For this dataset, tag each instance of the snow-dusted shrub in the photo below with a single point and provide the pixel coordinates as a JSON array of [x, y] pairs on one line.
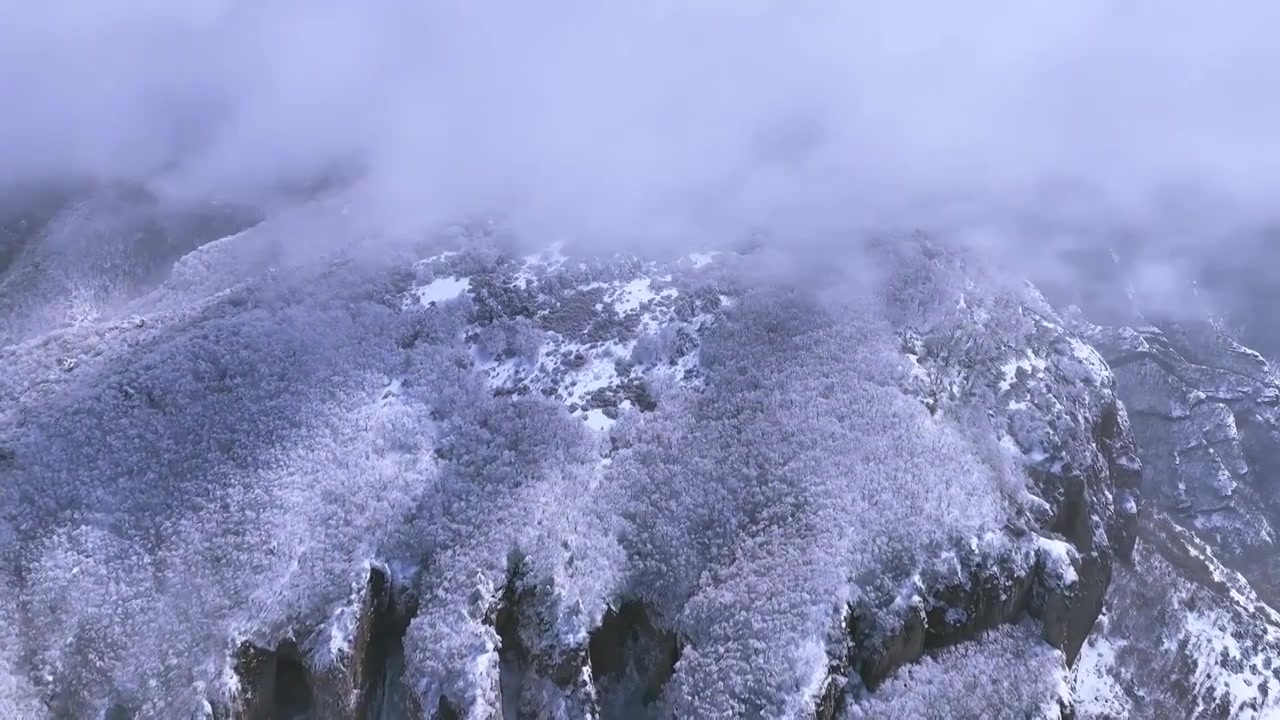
[[1010, 672]]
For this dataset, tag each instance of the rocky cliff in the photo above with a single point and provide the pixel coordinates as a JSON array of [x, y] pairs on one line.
[[1191, 630]]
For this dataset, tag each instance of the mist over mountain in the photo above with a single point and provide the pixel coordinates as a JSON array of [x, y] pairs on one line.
[[654, 118], [437, 359]]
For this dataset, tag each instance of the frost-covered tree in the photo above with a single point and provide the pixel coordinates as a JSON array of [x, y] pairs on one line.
[[800, 467], [218, 458]]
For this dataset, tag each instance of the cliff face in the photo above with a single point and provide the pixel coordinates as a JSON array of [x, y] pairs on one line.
[[1191, 628], [461, 479]]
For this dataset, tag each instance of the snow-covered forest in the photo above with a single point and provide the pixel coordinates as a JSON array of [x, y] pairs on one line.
[[430, 359]]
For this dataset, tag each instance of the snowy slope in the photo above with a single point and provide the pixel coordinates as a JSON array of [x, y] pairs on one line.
[[466, 475], [1184, 637], [470, 476]]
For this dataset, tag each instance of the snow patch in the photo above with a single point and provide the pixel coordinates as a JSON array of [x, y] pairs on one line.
[[1059, 560], [597, 420], [1028, 362], [632, 295], [1097, 693], [442, 289]]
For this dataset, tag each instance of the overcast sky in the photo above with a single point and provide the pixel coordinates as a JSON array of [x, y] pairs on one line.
[[661, 113]]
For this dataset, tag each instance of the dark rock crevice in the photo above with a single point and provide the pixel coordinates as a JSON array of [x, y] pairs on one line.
[[628, 660], [378, 657], [626, 663], [278, 685], [533, 661], [365, 683], [632, 659]]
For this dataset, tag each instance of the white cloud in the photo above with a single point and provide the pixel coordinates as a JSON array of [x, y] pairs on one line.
[[652, 116]]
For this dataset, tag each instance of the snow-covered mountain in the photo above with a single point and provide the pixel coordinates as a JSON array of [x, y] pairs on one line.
[[268, 465]]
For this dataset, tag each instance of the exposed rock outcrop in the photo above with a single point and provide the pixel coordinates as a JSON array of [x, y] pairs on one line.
[[1205, 412], [1191, 629]]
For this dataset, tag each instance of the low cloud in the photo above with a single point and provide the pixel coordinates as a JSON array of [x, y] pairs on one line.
[[657, 118]]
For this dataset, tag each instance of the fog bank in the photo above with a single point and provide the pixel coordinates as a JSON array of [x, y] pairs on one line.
[[663, 119]]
